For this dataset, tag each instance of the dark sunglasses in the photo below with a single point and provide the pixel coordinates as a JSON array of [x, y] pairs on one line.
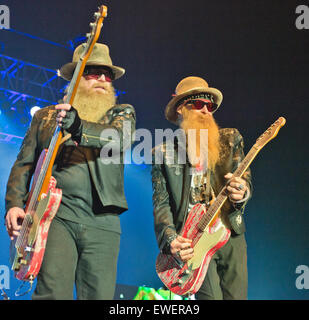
[[96, 73], [199, 105]]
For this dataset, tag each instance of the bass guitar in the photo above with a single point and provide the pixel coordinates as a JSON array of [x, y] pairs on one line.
[[27, 250], [207, 232]]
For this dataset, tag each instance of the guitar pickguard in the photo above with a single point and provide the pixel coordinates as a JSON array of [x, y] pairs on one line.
[[207, 241]]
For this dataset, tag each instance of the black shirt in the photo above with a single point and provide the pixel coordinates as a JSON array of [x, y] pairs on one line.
[[80, 202]]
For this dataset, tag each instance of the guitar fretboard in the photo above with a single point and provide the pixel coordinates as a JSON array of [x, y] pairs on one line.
[[222, 196]]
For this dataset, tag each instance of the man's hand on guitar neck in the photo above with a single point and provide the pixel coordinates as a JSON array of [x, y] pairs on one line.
[[69, 120], [237, 188], [181, 248], [13, 221]]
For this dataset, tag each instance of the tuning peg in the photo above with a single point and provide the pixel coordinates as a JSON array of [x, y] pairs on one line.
[[88, 35], [91, 24], [97, 14]]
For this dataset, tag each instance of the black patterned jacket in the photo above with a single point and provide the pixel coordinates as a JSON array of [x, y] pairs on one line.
[[107, 178], [171, 187]]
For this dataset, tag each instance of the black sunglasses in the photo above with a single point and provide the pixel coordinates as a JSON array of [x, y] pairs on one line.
[[95, 72]]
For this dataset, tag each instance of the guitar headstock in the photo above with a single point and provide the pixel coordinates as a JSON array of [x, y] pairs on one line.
[[270, 133], [95, 29], [92, 36]]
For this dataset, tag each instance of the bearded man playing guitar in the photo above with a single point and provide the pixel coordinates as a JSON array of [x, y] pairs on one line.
[[83, 240], [208, 167]]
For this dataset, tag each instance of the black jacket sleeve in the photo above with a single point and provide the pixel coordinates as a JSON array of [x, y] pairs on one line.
[[163, 218], [118, 128]]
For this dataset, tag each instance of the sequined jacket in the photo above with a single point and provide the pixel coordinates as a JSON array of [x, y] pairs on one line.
[[171, 186], [107, 178]]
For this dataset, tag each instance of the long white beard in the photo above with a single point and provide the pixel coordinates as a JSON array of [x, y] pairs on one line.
[[92, 106]]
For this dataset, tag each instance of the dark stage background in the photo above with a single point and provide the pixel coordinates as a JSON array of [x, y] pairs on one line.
[[251, 51]]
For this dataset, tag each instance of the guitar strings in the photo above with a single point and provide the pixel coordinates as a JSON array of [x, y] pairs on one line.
[[20, 242], [221, 198], [31, 208], [39, 183], [23, 237]]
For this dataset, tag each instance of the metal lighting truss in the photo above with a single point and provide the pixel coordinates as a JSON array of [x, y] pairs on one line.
[[24, 85], [30, 80]]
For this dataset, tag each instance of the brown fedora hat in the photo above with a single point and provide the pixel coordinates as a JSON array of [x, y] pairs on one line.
[[186, 87], [98, 57]]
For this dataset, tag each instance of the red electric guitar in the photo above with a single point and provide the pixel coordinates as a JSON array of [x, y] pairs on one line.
[[207, 232], [27, 250]]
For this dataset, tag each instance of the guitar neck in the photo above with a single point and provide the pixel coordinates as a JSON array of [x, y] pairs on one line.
[[222, 196], [245, 163], [73, 85], [42, 182]]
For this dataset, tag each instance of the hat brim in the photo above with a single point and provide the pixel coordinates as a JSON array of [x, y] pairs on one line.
[[67, 70], [170, 110]]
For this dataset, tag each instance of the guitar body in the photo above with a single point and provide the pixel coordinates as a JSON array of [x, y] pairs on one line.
[[27, 250], [189, 277]]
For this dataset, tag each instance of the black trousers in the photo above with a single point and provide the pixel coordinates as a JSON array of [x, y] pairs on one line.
[[80, 255], [227, 275]]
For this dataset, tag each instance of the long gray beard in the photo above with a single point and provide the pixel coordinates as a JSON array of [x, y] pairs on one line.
[[93, 106]]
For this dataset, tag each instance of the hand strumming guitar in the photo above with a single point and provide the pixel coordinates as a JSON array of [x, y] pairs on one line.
[[181, 248]]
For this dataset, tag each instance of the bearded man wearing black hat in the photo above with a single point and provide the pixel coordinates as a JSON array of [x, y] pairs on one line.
[[180, 182], [83, 240]]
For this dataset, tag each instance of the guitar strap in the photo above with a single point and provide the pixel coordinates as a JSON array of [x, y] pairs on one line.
[[65, 138]]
